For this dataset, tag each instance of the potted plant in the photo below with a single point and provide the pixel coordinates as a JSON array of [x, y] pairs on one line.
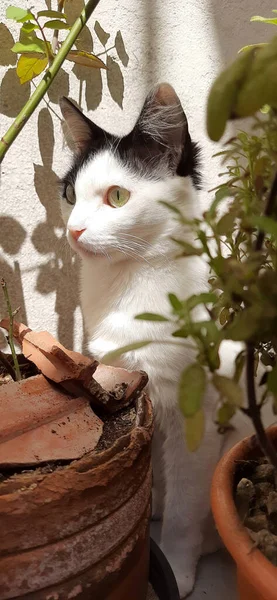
[[238, 239]]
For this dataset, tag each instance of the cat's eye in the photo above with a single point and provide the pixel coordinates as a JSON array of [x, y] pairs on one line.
[[70, 194], [117, 196]]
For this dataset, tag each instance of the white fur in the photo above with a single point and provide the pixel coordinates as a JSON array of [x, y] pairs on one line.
[[129, 267]]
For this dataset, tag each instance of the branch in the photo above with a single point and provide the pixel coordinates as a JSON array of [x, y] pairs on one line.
[[254, 411], [46, 81]]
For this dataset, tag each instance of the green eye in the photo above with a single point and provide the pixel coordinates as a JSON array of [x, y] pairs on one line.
[[117, 196], [70, 194]]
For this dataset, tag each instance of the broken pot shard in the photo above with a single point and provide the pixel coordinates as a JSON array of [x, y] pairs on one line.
[[107, 387], [39, 423]]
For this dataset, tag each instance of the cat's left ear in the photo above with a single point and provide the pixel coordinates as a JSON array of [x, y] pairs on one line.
[[82, 132], [163, 120]]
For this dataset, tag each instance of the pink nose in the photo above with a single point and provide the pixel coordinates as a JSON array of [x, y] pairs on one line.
[[75, 233]]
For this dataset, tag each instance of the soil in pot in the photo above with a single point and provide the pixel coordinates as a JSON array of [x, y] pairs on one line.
[[256, 502], [240, 485]]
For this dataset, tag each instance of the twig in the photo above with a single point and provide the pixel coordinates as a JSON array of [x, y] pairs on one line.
[[46, 81], [55, 40], [48, 51], [10, 337]]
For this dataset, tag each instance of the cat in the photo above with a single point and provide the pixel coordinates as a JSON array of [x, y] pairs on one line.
[[110, 201]]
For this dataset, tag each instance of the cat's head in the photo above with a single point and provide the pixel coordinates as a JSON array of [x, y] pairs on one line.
[[111, 195]]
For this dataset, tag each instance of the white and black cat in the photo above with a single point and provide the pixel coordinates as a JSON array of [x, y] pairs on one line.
[[111, 205]]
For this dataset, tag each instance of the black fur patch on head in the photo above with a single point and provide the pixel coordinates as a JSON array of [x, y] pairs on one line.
[[159, 145]]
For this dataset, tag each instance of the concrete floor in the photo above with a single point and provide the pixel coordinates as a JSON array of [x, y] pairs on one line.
[[216, 578], [216, 574]]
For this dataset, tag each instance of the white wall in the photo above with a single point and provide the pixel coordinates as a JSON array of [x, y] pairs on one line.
[[184, 42]]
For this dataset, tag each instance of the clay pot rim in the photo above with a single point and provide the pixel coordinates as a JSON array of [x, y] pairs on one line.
[[127, 447], [254, 566]]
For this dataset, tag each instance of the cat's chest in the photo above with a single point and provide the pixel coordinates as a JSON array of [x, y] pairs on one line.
[[110, 307]]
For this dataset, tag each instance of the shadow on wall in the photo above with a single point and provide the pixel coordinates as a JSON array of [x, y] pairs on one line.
[[233, 27], [57, 274]]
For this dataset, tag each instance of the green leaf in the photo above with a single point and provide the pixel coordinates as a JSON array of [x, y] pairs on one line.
[[221, 194], [265, 109], [191, 389], [114, 354], [52, 14], [224, 316], [28, 26], [28, 67], [188, 249], [175, 303], [19, 48], [15, 13], [194, 430], [244, 48], [266, 224], [86, 59], [225, 413], [264, 20], [29, 42], [229, 389], [56, 24], [150, 317], [204, 298], [224, 93], [225, 224], [239, 365], [242, 328], [183, 332]]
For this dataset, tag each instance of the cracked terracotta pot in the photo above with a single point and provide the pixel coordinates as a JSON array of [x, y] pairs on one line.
[[81, 531], [257, 576]]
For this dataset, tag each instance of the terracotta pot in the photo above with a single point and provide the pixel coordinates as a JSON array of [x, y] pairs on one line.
[[81, 531], [257, 577]]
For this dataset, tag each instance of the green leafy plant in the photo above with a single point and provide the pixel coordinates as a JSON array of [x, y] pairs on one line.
[[35, 51], [238, 239]]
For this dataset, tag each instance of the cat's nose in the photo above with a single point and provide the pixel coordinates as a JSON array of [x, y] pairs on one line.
[[75, 233]]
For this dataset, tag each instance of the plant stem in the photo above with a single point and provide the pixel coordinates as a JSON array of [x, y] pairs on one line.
[[268, 211], [50, 56], [10, 337], [46, 81], [254, 410]]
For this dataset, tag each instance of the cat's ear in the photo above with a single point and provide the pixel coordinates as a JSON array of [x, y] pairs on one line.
[[80, 130], [163, 120]]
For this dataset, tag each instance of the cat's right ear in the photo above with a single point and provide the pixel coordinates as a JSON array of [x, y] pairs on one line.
[[79, 129]]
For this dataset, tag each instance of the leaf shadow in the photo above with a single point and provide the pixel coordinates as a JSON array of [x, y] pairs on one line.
[[60, 270], [115, 81], [7, 57], [13, 95], [121, 50]]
